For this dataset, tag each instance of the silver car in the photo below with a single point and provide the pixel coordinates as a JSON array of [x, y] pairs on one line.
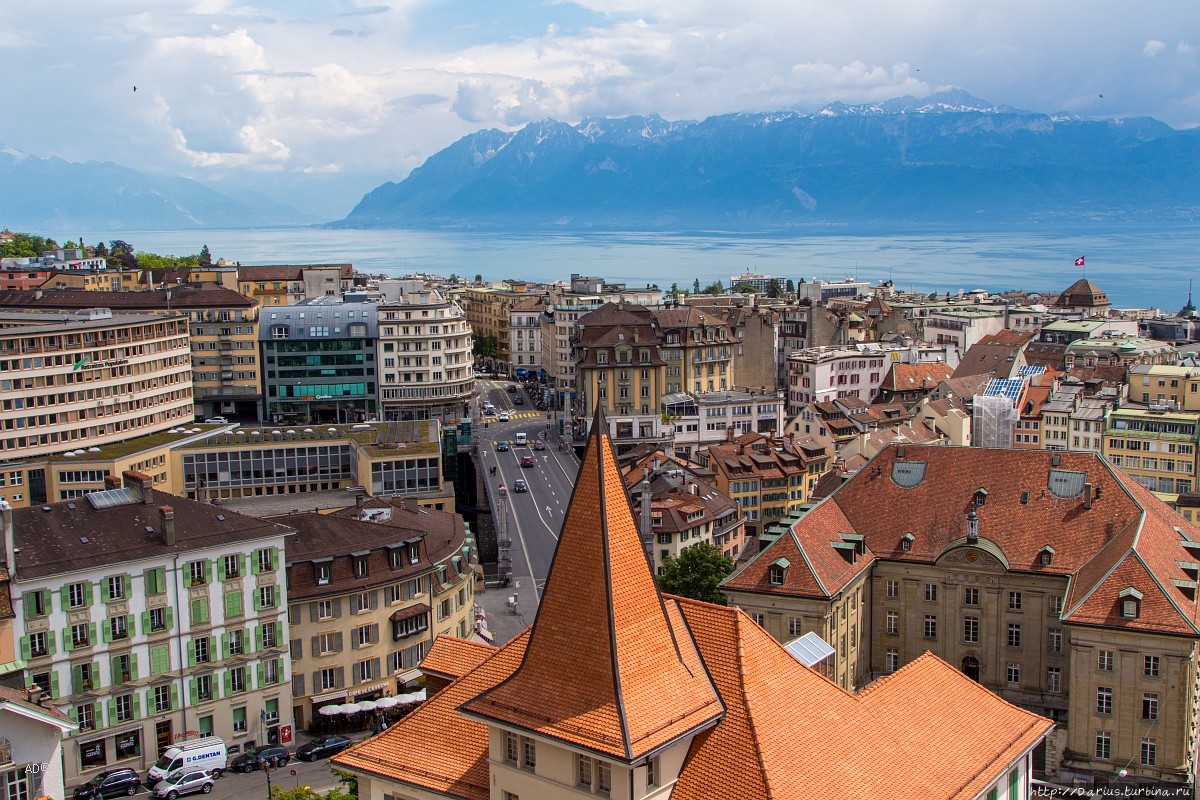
[[182, 781]]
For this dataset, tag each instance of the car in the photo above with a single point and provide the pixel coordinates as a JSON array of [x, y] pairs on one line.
[[322, 747], [191, 781], [110, 783], [519, 485], [489, 410], [217, 420], [251, 760], [518, 400], [504, 416], [511, 388], [538, 444], [502, 446], [528, 461]]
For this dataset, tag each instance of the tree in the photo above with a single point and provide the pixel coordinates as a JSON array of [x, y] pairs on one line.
[[715, 288], [696, 286], [26, 245], [773, 288], [745, 288], [205, 257], [122, 253], [479, 279], [696, 573], [791, 286]]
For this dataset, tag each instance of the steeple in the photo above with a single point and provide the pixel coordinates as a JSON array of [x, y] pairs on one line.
[[608, 667]]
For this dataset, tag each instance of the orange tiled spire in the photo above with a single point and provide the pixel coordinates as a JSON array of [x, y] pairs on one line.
[[606, 669]]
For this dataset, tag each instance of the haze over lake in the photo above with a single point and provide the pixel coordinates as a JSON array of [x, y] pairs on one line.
[[1136, 266]]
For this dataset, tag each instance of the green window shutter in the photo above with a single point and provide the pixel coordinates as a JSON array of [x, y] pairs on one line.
[[133, 669], [54, 695], [257, 606], [207, 571], [261, 675], [145, 623], [258, 637], [87, 593], [220, 566], [136, 703], [193, 693], [233, 604], [228, 683], [91, 633], [169, 617], [51, 644], [224, 645], [28, 599], [74, 713], [112, 710], [278, 633], [241, 562], [274, 558], [191, 654], [127, 583], [104, 596], [76, 676], [106, 630], [67, 643], [174, 696], [26, 650], [65, 594]]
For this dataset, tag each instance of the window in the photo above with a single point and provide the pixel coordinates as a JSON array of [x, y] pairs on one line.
[[362, 636], [324, 609], [327, 643], [271, 674], [266, 560], [266, 597], [651, 772], [85, 715], [893, 588], [162, 698], [80, 635], [1149, 752], [200, 651], [931, 592], [269, 636], [1104, 661], [1150, 707], [329, 678], [930, 626], [1014, 674], [1054, 679], [236, 642], [232, 566], [971, 596], [1014, 634], [77, 595], [124, 707], [324, 575], [197, 573], [116, 587], [38, 644], [528, 753], [237, 680], [1129, 609], [893, 622], [1150, 666], [776, 574], [204, 688], [971, 630], [794, 627], [1014, 601], [1054, 640], [360, 567], [891, 660], [239, 720], [1054, 605], [1104, 745], [1104, 700]]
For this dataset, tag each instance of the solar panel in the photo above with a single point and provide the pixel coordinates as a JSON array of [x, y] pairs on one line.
[[1004, 387], [1030, 371], [110, 498], [810, 649]]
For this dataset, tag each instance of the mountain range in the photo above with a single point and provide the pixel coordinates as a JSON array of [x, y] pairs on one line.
[[946, 159]]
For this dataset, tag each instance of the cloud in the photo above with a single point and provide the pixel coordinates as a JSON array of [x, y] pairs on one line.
[[342, 32], [1153, 48], [474, 101]]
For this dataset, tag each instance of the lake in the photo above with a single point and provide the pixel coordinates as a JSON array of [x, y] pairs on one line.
[[1136, 266]]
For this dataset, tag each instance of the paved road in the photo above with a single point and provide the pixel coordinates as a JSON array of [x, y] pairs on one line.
[[532, 518]]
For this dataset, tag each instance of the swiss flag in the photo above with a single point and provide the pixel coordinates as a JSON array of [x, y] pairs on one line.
[[1079, 261]]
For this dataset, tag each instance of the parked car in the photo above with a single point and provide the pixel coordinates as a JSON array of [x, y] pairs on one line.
[[251, 760], [538, 444], [192, 781], [110, 783], [519, 485], [528, 461], [217, 420], [322, 748], [502, 446]]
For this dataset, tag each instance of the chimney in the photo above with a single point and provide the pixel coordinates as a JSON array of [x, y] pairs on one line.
[[654, 464], [166, 521], [10, 544], [410, 503], [140, 482], [1087, 497], [34, 694], [112, 482], [358, 498], [647, 535]]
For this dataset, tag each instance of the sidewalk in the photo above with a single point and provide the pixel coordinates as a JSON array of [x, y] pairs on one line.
[[503, 624]]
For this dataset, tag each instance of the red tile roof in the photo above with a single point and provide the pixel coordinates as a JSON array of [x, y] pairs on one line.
[[450, 657]]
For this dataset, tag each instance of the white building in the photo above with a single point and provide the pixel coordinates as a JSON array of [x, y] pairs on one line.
[[525, 332], [821, 374], [30, 746], [701, 419], [151, 619]]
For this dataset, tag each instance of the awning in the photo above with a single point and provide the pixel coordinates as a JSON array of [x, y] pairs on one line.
[[123, 731], [410, 612], [408, 675], [376, 688], [321, 698]]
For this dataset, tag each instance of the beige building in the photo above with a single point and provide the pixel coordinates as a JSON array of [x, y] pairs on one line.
[[1157, 448], [424, 349], [371, 586], [1051, 578], [85, 379], [150, 619], [288, 284]]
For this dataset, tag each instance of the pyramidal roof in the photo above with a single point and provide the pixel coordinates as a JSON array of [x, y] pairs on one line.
[[608, 668]]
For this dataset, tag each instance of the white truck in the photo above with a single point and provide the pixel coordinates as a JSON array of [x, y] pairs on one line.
[[205, 753]]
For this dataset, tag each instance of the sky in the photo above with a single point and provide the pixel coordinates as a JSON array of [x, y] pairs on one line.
[[278, 90]]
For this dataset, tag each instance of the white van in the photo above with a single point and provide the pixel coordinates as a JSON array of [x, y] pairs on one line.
[[522, 440], [207, 753]]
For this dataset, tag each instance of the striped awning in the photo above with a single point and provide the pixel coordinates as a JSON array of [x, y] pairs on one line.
[[321, 698]]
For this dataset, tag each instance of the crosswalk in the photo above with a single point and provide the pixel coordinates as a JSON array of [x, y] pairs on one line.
[[524, 414]]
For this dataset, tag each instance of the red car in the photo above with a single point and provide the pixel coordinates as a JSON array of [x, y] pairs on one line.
[[538, 444], [528, 461]]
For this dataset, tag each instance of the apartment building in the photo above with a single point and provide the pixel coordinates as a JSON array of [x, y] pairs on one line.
[[150, 619], [425, 350], [1053, 579], [289, 284], [525, 332], [319, 362], [371, 587], [89, 378], [488, 310], [1156, 448], [700, 419], [698, 346], [821, 374]]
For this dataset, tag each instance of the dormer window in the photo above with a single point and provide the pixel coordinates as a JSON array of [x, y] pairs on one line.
[[360, 566], [777, 571], [980, 496], [1131, 603], [1046, 556], [324, 574], [906, 542], [414, 552]]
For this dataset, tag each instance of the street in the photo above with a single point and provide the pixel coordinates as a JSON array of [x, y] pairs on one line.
[[531, 519]]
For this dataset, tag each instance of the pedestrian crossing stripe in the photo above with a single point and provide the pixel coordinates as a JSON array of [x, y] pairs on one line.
[[524, 414]]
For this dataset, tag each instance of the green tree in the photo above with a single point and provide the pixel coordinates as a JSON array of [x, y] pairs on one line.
[[122, 255], [744, 288], [485, 346], [205, 258], [715, 288], [26, 245], [696, 573], [773, 288], [479, 279], [791, 286], [696, 286], [348, 780]]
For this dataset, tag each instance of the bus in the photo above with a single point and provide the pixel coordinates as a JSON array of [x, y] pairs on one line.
[[522, 440]]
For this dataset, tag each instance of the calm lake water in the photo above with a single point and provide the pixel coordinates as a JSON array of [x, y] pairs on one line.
[[1137, 267]]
